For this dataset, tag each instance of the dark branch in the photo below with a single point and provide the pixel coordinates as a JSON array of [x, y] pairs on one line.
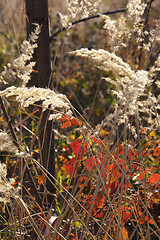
[[86, 19], [145, 26]]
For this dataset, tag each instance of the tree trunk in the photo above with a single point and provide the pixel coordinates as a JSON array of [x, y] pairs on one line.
[[37, 12]]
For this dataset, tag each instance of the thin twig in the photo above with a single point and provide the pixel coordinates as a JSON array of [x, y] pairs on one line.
[[86, 19]]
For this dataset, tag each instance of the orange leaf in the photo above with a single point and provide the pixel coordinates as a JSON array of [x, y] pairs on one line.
[[15, 184], [125, 234], [144, 130], [151, 221], [66, 125], [154, 178], [40, 179], [103, 132]]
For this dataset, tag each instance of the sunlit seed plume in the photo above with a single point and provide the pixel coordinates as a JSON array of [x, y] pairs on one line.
[[22, 67], [135, 9], [116, 31], [50, 99], [78, 9], [129, 87]]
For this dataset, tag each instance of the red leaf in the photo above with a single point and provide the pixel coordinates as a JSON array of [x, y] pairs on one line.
[[66, 120], [145, 154], [132, 153], [140, 177], [72, 166], [156, 151], [116, 171], [89, 162], [99, 215], [75, 145], [96, 160], [82, 180], [79, 148], [76, 122], [120, 149], [127, 215], [154, 178]]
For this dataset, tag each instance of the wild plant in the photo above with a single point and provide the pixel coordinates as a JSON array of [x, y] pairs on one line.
[[107, 182]]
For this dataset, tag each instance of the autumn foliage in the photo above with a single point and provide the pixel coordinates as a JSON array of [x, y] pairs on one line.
[[113, 182]]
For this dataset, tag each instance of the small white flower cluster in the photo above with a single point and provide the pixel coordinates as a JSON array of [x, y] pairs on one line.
[[50, 99], [22, 67], [6, 143], [130, 88], [76, 8], [116, 30], [135, 9], [6, 189]]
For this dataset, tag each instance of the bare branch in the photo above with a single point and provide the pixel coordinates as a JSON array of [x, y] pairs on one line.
[[86, 19]]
